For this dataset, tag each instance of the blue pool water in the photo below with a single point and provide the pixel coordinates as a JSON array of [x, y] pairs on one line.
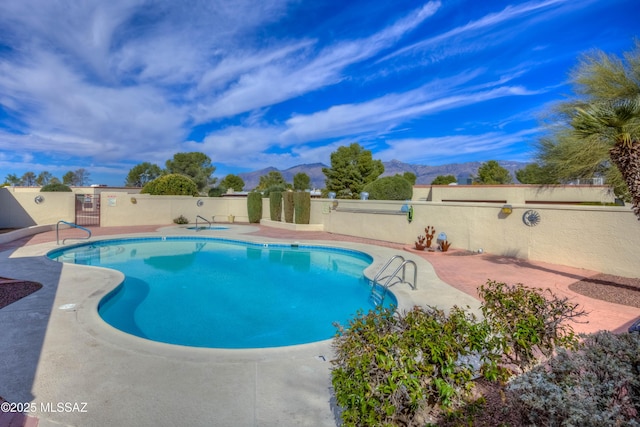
[[219, 293]]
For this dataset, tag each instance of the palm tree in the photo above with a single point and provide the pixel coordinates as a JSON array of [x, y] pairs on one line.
[[616, 123]]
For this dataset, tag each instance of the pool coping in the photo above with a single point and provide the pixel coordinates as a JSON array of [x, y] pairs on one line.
[[256, 386]]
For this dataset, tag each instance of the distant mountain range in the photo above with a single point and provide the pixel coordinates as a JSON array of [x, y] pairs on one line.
[[425, 174]]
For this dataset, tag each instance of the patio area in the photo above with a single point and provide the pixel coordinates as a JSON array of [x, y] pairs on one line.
[[57, 349]]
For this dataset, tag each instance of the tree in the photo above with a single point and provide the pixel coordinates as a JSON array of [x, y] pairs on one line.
[[390, 188], [195, 165], [13, 179], [273, 181], [492, 173], [533, 173], [82, 176], [444, 180], [351, 169], [596, 131], [301, 181], [55, 186], [28, 179], [171, 185], [142, 173], [69, 178], [411, 177], [232, 181], [44, 178]]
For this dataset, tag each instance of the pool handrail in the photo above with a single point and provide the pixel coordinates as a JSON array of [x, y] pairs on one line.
[[70, 224], [204, 219]]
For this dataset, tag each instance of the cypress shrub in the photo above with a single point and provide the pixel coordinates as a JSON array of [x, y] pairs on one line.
[[254, 206], [288, 206], [302, 207], [275, 205]]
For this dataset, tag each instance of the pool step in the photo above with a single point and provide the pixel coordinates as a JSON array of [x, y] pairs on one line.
[[378, 292]]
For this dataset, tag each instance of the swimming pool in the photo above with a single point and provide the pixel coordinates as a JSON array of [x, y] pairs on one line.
[[222, 293]]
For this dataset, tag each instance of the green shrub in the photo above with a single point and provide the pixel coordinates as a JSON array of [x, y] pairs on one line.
[[181, 220], [302, 207], [171, 185], [529, 321], [390, 368], [254, 207], [56, 186], [287, 199], [390, 188], [275, 206], [596, 385]]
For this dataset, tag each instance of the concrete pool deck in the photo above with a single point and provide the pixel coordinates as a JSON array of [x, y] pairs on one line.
[[55, 349]]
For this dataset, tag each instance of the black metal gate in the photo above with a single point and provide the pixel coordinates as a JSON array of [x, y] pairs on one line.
[[88, 209]]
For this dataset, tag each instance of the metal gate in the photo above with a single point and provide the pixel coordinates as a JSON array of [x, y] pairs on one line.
[[88, 209]]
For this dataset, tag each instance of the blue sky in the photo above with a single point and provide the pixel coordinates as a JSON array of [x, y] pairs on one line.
[[105, 85]]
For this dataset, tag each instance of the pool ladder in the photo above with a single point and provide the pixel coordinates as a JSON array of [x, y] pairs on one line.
[[380, 284], [70, 224], [204, 219]]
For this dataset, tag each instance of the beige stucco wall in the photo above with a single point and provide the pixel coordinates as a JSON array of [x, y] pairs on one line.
[[518, 194], [119, 209], [19, 209], [600, 238]]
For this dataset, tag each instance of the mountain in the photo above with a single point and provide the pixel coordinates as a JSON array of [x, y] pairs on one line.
[[425, 174]]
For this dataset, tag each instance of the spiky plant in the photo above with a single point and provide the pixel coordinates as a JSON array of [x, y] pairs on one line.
[[617, 123]]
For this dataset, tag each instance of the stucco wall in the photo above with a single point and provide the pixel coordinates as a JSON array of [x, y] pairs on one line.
[[595, 237], [19, 209], [519, 194]]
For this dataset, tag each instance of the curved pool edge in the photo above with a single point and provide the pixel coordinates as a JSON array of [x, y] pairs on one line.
[[431, 291]]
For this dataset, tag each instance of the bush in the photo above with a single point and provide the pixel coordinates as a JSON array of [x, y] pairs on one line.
[[287, 199], [171, 185], [254, 207], [57, 186], [527, 321], [275, 206], [597, 385], [302, 207], [389, 188], [390, 368], [181, 220]]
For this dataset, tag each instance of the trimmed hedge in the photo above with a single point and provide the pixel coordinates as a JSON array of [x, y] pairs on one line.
[[302, 207], [275, 206], [57, 186], [389, 188], [287, 198], [171, 185], [254, 207]]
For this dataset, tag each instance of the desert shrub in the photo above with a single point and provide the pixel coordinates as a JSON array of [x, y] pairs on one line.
[[181, 220], [596, 385], [389, 188], [302, 207], [254, 206], [287, 199], [275, 205], [389, 367], [529, 321], [56, 186], [171, 185]]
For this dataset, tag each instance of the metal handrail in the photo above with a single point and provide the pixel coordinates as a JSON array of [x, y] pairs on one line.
[[402, 266], [70, 224], [204, 219]]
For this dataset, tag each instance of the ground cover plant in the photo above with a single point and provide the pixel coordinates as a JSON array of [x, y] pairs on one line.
[[422, 367]]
